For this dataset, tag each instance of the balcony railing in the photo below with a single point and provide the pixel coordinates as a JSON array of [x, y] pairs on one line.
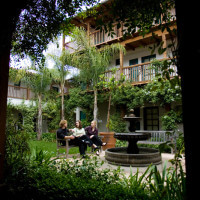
[[18, 92], [101, 37], [140, 73]]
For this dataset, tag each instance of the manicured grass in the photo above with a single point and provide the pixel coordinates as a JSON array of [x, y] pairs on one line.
[[49, 147]]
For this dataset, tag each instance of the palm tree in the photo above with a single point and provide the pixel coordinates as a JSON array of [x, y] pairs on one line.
[[60, 71], [38, 80], [91, 61]]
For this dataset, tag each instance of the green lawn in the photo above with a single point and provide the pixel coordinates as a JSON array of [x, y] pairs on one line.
[[49, 147]]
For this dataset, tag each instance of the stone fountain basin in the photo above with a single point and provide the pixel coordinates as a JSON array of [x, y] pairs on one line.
[[132, 136], [146, 156]]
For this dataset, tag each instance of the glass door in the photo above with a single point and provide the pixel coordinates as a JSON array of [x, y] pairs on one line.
[[151, 118], [133, 71]]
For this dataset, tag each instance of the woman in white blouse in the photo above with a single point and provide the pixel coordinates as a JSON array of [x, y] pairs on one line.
[[79, 133]]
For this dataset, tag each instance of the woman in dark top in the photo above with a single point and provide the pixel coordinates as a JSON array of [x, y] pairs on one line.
[[92, 133], [63, 133]]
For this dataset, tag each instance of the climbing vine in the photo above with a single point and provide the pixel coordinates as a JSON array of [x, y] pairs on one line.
[[28, 113]]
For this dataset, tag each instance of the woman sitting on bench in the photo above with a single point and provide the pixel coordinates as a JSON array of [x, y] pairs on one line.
[[92, 134]]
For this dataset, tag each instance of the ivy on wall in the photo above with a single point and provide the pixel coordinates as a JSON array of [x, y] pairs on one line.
[[28, 113]]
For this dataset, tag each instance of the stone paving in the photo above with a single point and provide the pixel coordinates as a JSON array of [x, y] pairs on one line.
[[165, 158]]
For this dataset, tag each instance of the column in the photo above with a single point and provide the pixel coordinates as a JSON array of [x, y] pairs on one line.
[[164, 45], [121, 57], [63, 41]]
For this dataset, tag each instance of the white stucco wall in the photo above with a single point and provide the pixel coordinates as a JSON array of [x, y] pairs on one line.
[[137, 53]]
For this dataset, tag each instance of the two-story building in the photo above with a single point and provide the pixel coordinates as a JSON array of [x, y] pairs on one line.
[[135, 64]]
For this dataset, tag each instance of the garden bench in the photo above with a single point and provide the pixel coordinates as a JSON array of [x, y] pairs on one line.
[[60, 145], [157, 137]]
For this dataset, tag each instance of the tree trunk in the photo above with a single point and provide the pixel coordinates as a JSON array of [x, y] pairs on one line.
[[108, 115], [95, 106], [39, 134], [188, 64], [4, 71], [8, 18], [62, 103]]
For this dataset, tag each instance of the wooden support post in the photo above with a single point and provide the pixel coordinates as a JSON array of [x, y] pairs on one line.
[[88, 29], [63, 41], [121, 57], [164, 45], [28, 94]]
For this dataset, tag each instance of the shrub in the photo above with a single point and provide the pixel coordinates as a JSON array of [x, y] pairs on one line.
[[47, 179], [49, 137], [117, 124], [17, 148]]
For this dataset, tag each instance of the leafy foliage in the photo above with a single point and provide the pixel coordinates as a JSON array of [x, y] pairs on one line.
[[28, 114], [17, 149], [41, 21], [117, 124], [171, 119], [110, 85]]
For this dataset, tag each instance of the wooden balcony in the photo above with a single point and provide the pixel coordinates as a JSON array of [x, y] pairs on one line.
[[101, 37], [25, 93], [18, 92], [139, 74]]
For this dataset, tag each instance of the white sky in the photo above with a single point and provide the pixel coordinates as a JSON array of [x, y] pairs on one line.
[[54, 47]]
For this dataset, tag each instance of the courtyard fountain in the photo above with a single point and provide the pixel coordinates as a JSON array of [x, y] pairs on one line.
[[132, 155]]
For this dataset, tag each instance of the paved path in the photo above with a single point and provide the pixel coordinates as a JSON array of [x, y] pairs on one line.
[[165, 157]]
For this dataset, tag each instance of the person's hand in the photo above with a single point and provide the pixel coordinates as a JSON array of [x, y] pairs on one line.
[[79, 135], [71, 130], [91, 136], [71, 137]]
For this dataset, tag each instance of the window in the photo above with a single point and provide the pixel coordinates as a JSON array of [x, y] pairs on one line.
[[82, 115], [133, 62], [55, 88], [117, 62], [17, 85], [148, 58], [151, 118]]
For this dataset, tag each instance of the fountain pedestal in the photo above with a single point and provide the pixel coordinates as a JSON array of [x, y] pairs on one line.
[[132, 139], [132, 147]]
